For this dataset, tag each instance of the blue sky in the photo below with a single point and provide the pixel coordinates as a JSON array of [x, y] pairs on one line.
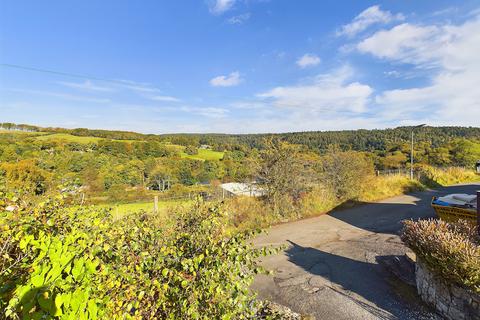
[[239, 66]]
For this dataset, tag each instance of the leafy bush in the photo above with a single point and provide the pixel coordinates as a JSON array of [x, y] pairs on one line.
[[79, 263], [450, 250]]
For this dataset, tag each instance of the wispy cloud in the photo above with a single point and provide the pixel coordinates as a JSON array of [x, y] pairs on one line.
[[209, 112], [370, 16], [164, 98], [138, 86], [233, 79], [86, 85], [308, 60], [239, 19], [219, 7]]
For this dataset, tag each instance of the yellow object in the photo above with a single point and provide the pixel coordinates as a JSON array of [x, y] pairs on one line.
[[453, 214]]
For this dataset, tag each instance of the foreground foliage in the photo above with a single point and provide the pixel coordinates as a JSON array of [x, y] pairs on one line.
[[450, 250], [59, 262]]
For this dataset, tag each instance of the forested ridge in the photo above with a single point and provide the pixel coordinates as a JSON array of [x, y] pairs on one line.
[[359, 140]]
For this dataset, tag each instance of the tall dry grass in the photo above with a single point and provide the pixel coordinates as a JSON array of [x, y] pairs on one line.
[[249, 212], [435, 177], [388, 186]]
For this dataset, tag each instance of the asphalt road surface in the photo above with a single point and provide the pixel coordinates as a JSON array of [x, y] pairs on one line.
[[331, 268]]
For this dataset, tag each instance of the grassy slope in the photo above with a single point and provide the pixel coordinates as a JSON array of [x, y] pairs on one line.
[[25, 133], [71, 138], [204, 154], [68, 137]]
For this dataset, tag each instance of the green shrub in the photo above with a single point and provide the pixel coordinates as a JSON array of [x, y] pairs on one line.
[[450, 250], [80, 263]]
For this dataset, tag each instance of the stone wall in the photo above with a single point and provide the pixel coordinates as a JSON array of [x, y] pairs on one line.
[[450, 300]]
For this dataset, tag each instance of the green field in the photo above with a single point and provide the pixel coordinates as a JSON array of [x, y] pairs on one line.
[[68, 137], [19, 132], [204, 154], [71, 138], [120, 209]]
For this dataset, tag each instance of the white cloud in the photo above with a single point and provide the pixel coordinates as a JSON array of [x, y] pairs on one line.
[[233, 79], [452, 96], [240, 19], [86, 85], [332, 92], [406, 43], [165, 98], [219, 7], [308, 60], [209, 112], [368, 17]]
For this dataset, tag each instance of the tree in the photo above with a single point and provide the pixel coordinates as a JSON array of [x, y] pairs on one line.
[[161, 177], [191, 150], [284, 174], [346, 173], [25, 175], [440, 156], [465, 152], [396, 159]]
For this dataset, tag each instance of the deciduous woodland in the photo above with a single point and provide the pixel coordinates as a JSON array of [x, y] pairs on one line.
[[80, 238]]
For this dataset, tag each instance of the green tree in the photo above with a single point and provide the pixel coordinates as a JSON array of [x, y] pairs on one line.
[[191, 150], [25, 175], [346, 173], [284, 173], [395, 160], [465, 153]]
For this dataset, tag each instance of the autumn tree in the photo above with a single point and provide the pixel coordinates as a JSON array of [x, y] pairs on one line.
[[284, 173], [346, 173], [25, 175]]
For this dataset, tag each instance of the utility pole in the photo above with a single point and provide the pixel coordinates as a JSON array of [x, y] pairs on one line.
[[411, 151]]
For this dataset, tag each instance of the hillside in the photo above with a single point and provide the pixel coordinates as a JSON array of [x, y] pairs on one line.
[[359, 140]]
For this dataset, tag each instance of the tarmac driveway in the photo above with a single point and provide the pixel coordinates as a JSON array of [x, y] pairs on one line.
[[331, 268]]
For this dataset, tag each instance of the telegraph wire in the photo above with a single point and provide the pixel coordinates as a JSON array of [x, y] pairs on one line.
[[67, 74]]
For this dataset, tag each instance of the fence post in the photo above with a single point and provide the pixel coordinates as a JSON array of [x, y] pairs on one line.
[[155, 204]]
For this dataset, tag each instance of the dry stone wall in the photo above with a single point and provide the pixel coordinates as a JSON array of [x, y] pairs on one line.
[[450, 300]]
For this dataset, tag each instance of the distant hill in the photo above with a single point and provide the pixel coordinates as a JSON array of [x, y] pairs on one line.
[[360, 140]]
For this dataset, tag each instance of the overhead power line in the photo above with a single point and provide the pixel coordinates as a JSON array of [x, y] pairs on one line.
[[66, 74]]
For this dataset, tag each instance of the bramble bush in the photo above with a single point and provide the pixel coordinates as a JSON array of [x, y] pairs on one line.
[[451, 250], [79, 263]]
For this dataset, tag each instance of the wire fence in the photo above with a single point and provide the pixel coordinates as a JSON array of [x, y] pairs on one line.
[[394, 172]]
